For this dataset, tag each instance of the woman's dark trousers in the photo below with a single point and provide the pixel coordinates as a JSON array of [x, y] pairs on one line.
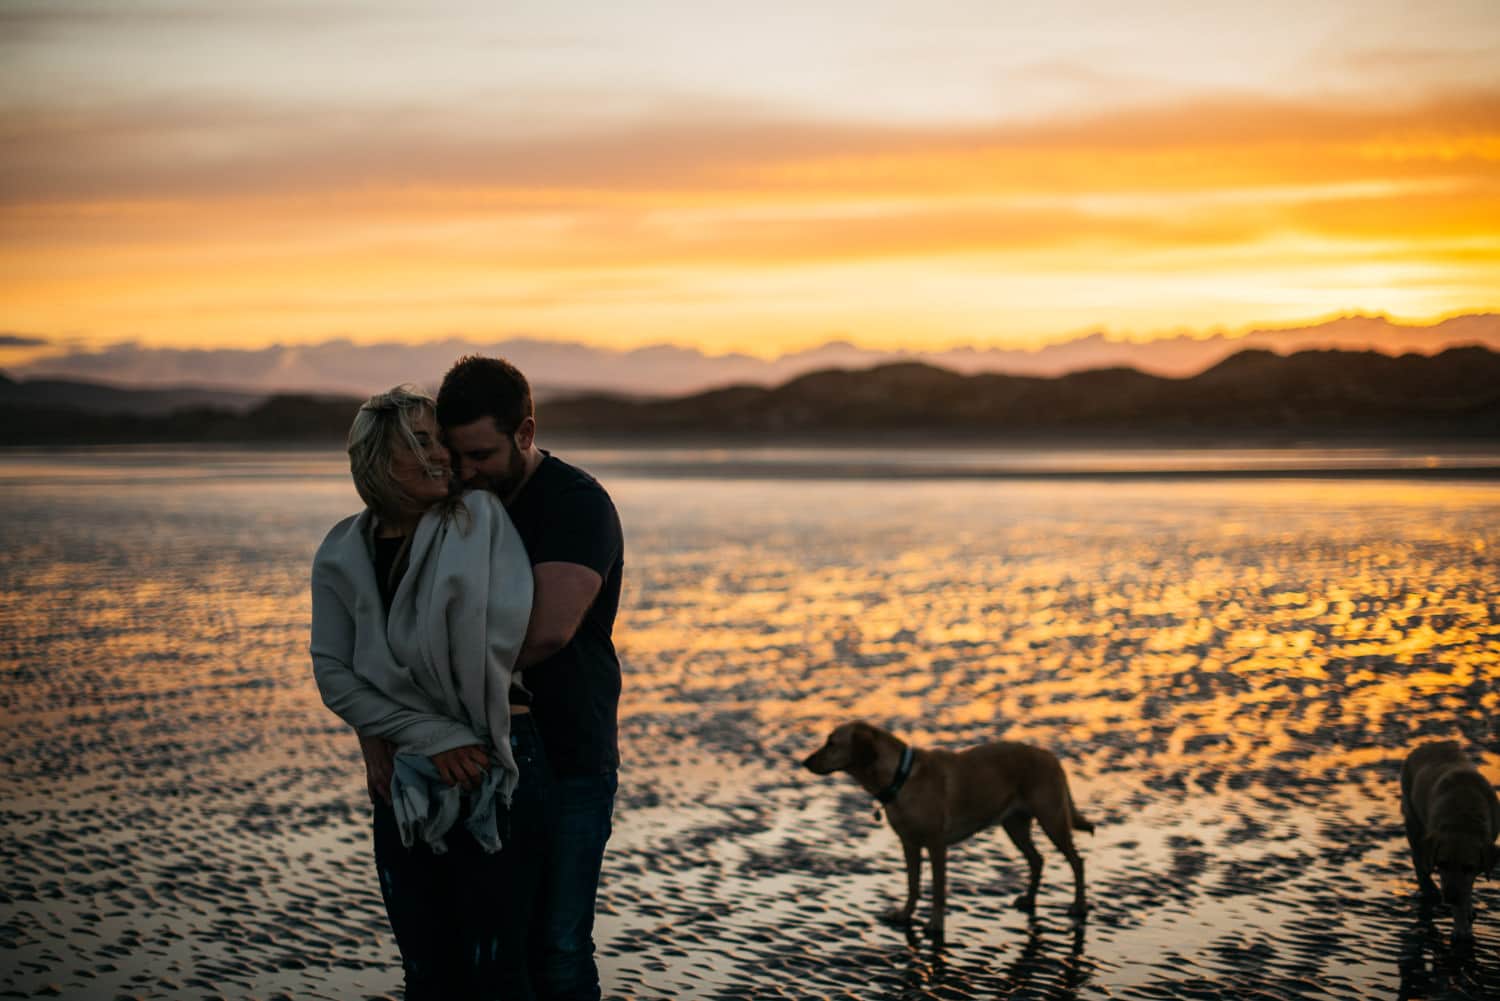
[[461, 918]]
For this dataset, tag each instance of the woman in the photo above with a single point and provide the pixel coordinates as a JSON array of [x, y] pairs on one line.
[[420, 605]]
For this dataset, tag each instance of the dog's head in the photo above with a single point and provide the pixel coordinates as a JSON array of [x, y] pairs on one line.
[[849, 746], [1459, 857]]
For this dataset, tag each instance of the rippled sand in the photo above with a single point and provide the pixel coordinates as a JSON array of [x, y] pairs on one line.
[[1231, 672]]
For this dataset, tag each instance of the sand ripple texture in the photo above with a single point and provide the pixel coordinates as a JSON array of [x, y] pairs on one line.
[[1231, 672]]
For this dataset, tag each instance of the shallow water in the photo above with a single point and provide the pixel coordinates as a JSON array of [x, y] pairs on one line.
[[1231, 672]]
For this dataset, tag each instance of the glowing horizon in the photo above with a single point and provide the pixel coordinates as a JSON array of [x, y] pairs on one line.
[[599, 185]]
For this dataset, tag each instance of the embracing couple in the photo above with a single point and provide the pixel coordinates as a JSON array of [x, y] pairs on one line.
[[461, 624]]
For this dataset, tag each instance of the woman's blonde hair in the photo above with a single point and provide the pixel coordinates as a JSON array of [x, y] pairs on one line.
[[382, 421]]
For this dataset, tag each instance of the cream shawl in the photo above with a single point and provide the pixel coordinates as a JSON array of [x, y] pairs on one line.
[[436, 673]]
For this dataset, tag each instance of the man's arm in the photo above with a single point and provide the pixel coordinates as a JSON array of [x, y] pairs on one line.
[[562, 596]]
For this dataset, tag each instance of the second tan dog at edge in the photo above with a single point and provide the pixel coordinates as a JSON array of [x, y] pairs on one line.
[[952, 795]]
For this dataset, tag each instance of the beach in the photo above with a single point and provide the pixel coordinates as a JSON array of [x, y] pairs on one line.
[[1230, 669]]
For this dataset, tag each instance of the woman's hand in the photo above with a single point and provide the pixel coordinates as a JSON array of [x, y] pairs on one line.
[[462, 766], [380, 765]]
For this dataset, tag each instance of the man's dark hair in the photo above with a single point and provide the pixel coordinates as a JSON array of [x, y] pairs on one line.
[[478, 387]]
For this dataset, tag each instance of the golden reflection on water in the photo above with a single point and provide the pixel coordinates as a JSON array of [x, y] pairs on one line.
[[1211, 626], [1232, 672]]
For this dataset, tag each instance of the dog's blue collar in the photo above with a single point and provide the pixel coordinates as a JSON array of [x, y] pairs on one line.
[[903, 772]]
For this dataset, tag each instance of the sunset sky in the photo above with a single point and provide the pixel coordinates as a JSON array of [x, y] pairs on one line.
[[738, 177]]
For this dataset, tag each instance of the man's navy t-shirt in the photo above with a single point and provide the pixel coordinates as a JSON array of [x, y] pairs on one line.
[[563, 515]]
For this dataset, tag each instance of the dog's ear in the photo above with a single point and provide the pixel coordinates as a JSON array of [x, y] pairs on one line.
[[1490, 858], [861, 746], [1429, 852]]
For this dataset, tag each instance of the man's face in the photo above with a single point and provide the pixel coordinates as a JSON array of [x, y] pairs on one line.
[[483, 456]]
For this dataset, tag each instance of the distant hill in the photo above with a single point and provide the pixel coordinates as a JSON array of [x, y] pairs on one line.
[[560, 368], [1310, 393], [106, 398], [280, 419]]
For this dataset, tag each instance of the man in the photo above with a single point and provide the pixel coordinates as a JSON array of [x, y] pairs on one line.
[[567, 661]]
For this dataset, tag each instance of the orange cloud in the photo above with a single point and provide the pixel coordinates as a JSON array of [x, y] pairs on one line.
[[205, 151], [251, 223]]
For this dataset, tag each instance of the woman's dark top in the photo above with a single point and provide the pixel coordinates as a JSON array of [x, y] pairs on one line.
[[386, 551]]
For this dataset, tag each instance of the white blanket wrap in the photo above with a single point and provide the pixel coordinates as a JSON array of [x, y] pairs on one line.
[[436, 673]]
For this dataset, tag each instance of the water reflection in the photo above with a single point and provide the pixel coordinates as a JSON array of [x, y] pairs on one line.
[[924, 460], [1038, 970], [1232, 672], [1247, 652], [1433, 964]]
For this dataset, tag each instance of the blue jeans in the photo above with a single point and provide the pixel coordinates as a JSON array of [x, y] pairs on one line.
[[562, 940], [456, 945]]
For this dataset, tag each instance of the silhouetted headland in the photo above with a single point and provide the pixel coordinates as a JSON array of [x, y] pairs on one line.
[[1310, 394]]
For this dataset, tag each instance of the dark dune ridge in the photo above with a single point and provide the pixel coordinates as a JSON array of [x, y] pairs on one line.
[[1231, 671], [1318, 393]]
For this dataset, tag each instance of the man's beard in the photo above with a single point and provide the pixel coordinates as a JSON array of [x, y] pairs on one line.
[[506, 483]]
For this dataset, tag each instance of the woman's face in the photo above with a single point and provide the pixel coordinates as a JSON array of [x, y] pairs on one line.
[[407, 469]]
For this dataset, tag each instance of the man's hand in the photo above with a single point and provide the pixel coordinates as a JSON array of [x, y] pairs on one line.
[[380, 765], [462, 766]]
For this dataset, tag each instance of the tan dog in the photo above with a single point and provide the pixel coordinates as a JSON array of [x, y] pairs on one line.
[[1452, 818], [941, 797]]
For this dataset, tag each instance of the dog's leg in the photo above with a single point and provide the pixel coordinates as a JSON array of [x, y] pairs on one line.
[[902, 915], [938, 853], [1062, 836], [1463, 916], [1018, 826], [1080, 906], [1417, 838]]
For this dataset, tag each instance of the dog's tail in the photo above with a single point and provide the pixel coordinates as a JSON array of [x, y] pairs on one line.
[[1079, 824]]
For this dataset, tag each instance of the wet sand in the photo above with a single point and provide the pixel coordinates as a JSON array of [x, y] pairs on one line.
[[1231, 673]]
